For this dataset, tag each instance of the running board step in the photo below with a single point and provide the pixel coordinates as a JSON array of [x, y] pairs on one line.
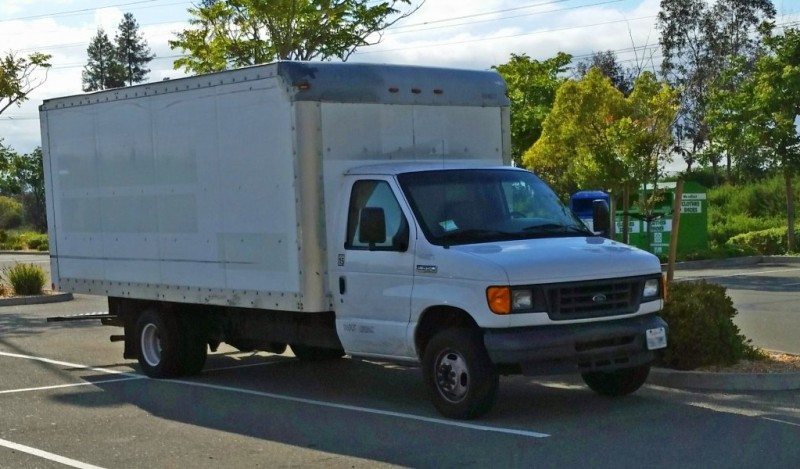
[[82, 317]]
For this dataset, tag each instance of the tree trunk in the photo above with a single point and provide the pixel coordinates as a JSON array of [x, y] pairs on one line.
[[790, 241], [626, 217]]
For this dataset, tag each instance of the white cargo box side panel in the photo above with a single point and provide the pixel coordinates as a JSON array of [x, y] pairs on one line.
[[186, 196]]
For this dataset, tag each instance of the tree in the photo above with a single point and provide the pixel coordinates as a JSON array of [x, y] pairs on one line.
[[532, 86], [237, 33], [103, 69], [595, 137], [133, 54], [18, 77], [697, 41], [606, 62], [757, 111], [22, 176]]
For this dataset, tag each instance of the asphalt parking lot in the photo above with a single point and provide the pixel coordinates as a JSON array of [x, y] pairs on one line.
[[67, 398]]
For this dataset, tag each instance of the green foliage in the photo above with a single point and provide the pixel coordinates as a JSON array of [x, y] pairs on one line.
[[103, 69], [26, 279], [701, 329], [237, 33], [13, 240], [595, 137], [532, 86], [10, 213], [22, 176], [133, 55], [746, 207], [111, 65], [18, 77], [767, 242], [607, 63], [697, 39], [753, 112]]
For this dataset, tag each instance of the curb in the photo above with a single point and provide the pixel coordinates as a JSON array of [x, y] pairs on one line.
[[36, 299], [733, 262], [711, 381], [26, 253]]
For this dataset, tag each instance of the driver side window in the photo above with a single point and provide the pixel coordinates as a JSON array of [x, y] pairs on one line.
[[376, 195]]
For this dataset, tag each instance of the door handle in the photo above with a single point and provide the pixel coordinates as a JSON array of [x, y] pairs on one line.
[[342, 285]]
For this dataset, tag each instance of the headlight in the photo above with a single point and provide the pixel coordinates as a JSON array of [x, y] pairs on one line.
[[650, 289], [521, 299]]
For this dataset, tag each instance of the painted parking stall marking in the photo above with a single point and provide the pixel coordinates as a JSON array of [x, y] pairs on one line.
[[47, 455], [301, 400]]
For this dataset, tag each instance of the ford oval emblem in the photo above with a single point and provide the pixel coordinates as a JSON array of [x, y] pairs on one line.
[[599, 298]]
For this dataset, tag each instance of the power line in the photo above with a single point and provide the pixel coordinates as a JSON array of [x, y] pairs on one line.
[[85, 10], [476, 15], [509, 36], [393, 31]]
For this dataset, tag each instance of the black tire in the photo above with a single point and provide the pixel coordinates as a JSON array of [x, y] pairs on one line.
[[157, 337], [617, 383], [461, 378], [169, 345], [310, 353]]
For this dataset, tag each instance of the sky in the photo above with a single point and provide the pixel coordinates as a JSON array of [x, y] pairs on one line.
[[449, 33]]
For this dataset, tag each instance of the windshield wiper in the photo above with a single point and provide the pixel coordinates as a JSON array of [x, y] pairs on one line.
[[550, 228]]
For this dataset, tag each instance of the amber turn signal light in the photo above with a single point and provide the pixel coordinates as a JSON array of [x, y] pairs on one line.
[[499, 299]]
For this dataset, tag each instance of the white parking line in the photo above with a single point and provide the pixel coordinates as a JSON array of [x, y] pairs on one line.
[[782, 421], [71, 385], [366, 410], [71, 365], [47, 455]]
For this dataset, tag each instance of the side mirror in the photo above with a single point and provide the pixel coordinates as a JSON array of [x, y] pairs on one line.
[[601, 217], [372, 226]]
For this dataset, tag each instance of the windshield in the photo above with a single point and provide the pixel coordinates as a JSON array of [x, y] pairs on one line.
[[486, 205]]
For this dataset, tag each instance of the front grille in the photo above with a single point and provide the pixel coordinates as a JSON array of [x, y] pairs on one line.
[[593, 299]]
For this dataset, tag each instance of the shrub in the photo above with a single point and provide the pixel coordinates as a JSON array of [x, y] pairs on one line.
[[35, 241], [26, 279], [701, 329], [10, 213], [765, 242], [723, 228]]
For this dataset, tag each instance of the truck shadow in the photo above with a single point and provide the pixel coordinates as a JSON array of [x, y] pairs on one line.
[[326, 407]]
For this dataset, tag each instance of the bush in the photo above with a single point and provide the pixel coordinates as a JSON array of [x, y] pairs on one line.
[[723, 228], [26, 279], [701, 329], [765, 242], [35, 241], [10, 213]]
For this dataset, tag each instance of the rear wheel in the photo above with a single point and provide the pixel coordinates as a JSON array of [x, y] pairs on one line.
[[311, 353], [461, 379], [617, 383], [169, 346]]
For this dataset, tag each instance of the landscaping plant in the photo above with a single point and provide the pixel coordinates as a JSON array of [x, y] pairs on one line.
[[701, 329], [26, 279]]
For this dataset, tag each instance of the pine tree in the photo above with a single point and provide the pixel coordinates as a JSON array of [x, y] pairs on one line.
[[132, 51], [102, 70]]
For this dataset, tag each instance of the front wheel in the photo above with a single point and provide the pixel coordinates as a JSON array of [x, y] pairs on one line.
[[461, 379], [617, 383]]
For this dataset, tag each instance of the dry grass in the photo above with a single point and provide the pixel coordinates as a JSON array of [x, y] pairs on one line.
[[775, 362]]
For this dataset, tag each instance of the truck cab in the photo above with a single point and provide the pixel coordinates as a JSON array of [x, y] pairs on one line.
[[476, 270]]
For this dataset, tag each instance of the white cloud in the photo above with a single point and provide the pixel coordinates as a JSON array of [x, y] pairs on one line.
[[475, 43]]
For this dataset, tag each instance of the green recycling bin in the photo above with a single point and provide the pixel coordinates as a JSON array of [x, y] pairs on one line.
[[652, 231]]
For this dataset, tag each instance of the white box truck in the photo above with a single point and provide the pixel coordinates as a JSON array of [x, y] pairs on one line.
[[356, 209]]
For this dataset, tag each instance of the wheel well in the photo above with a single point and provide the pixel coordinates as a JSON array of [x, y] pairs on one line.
[[438, 318]]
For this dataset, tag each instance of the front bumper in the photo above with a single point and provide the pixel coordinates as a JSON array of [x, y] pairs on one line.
[[593, 346]]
